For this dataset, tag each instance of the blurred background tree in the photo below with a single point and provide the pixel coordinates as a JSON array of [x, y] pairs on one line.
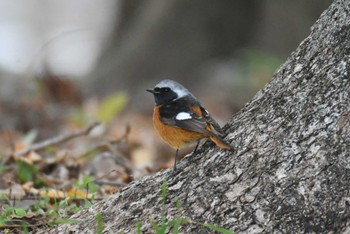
[[224, 49]]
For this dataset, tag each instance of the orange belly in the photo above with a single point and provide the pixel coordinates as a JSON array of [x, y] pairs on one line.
[[175, 137]]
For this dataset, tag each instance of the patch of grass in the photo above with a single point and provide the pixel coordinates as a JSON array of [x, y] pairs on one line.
[[26, 172], [99, 221], [56, 211], [173, 226], [45, 211], [218, 229]]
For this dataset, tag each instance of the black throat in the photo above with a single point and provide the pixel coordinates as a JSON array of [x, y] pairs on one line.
[[164, 97]]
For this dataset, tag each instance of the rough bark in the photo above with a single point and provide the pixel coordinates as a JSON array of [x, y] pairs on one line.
[[291, 170]]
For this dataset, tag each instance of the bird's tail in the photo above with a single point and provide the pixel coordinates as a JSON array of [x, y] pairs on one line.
[[220, 142]]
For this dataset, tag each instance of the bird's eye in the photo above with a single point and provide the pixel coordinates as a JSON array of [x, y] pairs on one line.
[[166, 89]]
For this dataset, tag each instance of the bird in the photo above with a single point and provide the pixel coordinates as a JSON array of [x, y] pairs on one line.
[[180, 119]]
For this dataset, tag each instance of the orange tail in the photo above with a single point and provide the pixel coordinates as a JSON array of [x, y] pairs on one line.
[[220, 142]]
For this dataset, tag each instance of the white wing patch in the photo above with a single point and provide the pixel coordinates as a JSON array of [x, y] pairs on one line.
[[183, 116]]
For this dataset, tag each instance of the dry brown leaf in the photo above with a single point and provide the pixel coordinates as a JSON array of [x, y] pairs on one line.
[[108, 190], [53, 193], [78, 193], [51, 182], [32, 157], [27, 186]]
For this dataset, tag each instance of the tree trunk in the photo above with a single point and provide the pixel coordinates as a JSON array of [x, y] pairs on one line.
[[290, 172]]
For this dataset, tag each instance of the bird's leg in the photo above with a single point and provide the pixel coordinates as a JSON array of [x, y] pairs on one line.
[[176, 158], [195, 148]]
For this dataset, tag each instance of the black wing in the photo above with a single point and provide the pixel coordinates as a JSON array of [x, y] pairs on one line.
[[196, 123], [211, 121]]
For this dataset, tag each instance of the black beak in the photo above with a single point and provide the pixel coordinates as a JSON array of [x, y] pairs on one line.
[[151, 91]]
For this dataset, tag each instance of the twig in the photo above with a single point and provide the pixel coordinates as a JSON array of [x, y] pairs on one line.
[[108, 144], [124, 137], [110, 182], [57, 140], [101, 181]]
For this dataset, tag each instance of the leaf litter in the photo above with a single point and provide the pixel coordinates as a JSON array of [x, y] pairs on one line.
[[55, 159]]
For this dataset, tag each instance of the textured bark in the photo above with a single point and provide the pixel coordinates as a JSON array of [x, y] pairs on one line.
[[291, 170]]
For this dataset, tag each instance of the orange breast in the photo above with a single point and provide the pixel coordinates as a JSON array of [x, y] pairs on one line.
[[175, 137]]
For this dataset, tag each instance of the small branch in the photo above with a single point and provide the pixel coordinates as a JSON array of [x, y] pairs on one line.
[[102, 181], [124, 137], [109, 182], [57, 140]]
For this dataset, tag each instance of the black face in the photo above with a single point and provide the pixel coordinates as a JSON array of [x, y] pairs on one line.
[[163, 95]]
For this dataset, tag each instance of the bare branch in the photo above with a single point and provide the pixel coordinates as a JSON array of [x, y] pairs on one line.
[[57, 140]]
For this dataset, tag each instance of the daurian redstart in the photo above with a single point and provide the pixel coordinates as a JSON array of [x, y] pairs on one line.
[[180, 119]]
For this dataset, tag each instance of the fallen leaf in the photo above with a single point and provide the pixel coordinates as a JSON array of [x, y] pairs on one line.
[[78, 193], [27, 186], [32, 157], [52, 193]]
